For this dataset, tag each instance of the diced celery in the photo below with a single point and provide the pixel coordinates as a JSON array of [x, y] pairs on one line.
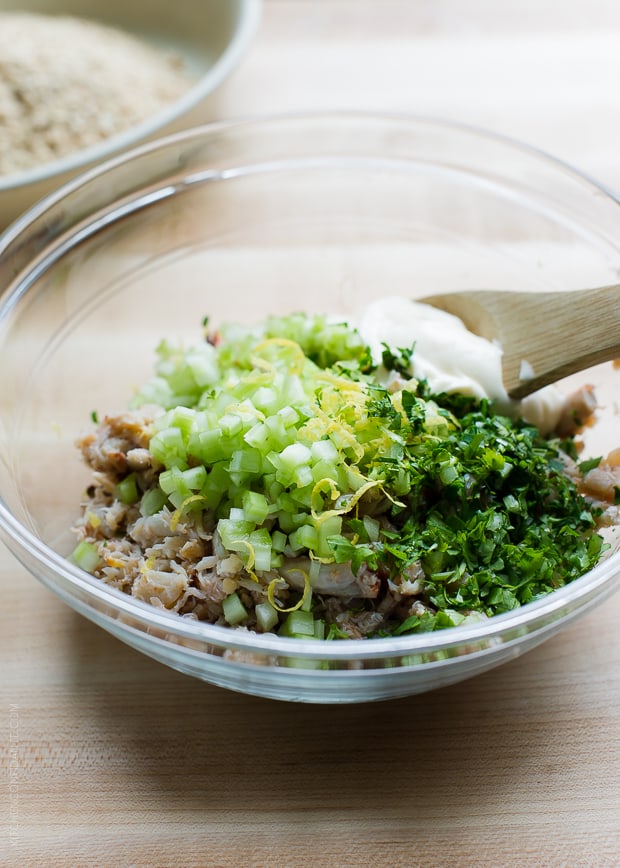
[[234, 532], [195, 477], [246, 410], [279, 436], [305, 537], [127, 491], [319, 629], [152, 501], [86, 556], [286, 503], [295, 455], [293, 392], [273, 458], [182, 418], [209, 446], [324, 450], [168, 447], [180, 376], [313, 574], [258, 436], [278, 541], [172, 483], [331, 526], [230, 424], [400, 483], [288, 415], [306, 603], [245, 461], [354, 478], [265, 399], [324, 470], [216, 485], [290, 521], [169, 480], [260, 541], [302, 476], [287, 463], [274, 489], [340, 437], [302, 497], [157, 391], [255, 507], [234, 610], [266, 616], [202, 362], [298, 624]]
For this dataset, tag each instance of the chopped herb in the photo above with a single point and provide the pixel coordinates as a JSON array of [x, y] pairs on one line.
[[590, 464], [398, 360]]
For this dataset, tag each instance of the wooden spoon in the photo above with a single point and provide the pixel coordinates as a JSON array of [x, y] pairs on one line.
[[544, 335]]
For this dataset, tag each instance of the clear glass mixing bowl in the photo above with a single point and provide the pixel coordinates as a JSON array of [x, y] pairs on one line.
[[235, 221]]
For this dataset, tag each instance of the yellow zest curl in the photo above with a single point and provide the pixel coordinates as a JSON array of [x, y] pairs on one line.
[[93, 519], [271, 590], [315, 501], [249, 567], [177, 515], [320, 560], [147, 565], [298, 356]]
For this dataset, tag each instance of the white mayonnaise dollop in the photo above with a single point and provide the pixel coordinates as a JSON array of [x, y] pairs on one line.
[[450, 357]]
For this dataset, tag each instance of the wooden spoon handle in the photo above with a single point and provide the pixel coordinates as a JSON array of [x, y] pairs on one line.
[[553, 334], [544, 336]]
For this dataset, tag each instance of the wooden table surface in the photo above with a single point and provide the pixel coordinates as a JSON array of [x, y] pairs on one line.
[[111, 759]]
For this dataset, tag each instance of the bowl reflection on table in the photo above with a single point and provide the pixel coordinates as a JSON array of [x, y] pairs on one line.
[[236, 221]]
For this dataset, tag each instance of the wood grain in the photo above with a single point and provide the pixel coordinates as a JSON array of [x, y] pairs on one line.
[[112, 760]]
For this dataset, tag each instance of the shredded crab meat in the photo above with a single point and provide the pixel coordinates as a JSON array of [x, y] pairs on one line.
[[335, 579], [577, 412], [121, 442], [603, 482]]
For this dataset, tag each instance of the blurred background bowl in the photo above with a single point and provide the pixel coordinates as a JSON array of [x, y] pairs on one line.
[[211, 36], [237, 221]]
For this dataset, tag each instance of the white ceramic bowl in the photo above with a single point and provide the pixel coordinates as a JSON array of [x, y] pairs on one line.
[[210, 35], [237, 221]]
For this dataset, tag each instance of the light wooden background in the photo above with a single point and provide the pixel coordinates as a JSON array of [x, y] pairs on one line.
[[123, 762]]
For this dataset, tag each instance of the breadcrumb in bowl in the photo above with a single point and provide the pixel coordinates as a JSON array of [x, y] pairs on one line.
[[233, 222], [55, 101], [133, 71]]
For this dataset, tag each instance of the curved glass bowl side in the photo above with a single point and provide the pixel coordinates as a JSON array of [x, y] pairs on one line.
[[333, 207], [307, 671]]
